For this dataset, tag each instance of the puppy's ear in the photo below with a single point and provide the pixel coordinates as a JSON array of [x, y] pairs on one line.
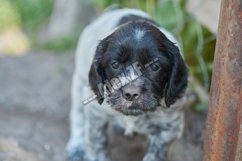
[[177, 81], [97, 74]]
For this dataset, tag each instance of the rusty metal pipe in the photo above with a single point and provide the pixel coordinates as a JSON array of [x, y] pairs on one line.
[[223, 138]]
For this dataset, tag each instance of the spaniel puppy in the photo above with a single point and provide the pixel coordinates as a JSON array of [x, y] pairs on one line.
[[130, 72]]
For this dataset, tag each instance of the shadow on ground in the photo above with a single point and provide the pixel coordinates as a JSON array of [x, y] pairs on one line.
[[34, 109]]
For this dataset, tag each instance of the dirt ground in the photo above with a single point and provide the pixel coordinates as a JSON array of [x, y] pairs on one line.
[[34, 110]]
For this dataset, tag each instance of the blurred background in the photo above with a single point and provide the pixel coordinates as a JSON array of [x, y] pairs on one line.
[[37, 45]]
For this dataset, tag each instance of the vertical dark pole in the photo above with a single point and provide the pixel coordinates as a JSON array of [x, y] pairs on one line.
[[223, 140]]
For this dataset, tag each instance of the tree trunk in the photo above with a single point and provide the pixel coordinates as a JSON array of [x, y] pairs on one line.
[[67, 16]]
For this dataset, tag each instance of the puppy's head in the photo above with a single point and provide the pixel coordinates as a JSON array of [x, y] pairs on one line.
[[136, 67]]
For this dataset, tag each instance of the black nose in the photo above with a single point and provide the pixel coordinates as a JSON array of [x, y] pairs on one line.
[[131, 94]]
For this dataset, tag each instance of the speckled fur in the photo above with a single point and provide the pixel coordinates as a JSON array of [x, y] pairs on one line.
[[88, 141]]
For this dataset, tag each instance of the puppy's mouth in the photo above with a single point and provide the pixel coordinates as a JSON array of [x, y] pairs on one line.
[[133, 110], [138, 107]]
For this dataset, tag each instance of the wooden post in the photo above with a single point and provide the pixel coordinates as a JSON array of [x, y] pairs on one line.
[[223, 140]]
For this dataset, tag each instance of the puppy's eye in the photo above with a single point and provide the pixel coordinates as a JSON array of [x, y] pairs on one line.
[[115, 65], [154, 67]]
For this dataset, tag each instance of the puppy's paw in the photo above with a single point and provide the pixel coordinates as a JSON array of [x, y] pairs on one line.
[[74, 152], [75, 155], [152, 157], [101, 156]]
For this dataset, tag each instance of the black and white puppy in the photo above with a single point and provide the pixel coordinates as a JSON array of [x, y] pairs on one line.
[[138, 77]]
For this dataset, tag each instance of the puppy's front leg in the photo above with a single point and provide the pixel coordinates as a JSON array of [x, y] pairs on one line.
[[159, 142], [75, 146], [157, 150], [96, 135]]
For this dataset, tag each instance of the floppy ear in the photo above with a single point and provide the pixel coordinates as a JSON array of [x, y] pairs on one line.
[[177, 80], [97, 74]]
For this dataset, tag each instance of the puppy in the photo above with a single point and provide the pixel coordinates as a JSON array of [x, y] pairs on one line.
[[135, 72]]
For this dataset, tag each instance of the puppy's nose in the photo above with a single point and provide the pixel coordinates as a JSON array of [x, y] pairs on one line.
[[131, 94]]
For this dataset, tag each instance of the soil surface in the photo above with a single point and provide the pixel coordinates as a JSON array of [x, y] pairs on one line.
[[34, 114]]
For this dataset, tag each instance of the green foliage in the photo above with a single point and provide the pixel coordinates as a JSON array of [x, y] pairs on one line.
[[199, 46], [61, 45], [29, 15], [168, 15], [201, 106], [102, 3], [33, 12], [9, 17]]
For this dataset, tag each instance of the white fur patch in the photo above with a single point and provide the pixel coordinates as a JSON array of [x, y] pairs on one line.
[[139, 34]]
